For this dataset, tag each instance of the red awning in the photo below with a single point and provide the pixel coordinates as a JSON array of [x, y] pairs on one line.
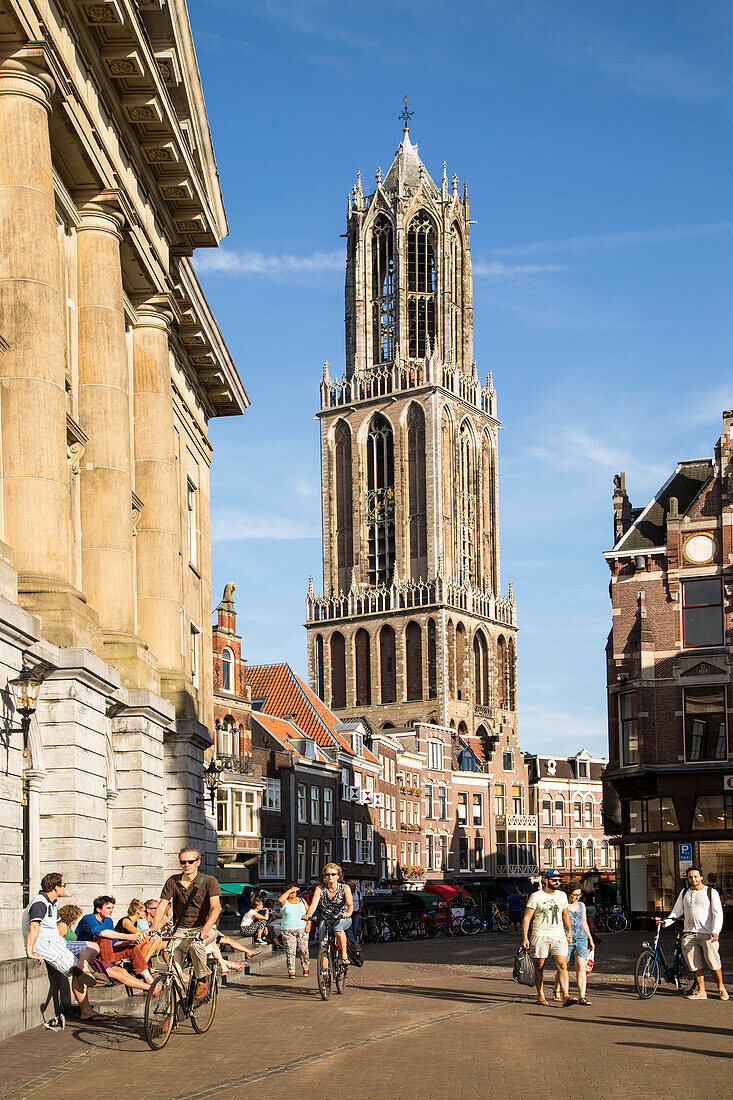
[[446, 893]]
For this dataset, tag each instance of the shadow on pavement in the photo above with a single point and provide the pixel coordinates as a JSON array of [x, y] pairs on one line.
[[667, 1049]]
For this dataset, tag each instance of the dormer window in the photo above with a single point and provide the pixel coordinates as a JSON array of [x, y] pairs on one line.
[[358, 743], [581, 769]]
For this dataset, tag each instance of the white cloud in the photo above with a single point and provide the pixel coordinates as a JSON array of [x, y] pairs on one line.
[[269, 265], [237, 525], [625, 239], [496, 269]]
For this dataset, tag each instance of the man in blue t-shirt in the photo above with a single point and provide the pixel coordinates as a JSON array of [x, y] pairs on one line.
[[114, 947]]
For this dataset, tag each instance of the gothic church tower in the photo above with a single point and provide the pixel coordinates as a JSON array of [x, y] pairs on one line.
[[411, 624]]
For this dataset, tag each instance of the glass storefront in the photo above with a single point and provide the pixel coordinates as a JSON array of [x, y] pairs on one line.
[[651, 876], [715, 857]]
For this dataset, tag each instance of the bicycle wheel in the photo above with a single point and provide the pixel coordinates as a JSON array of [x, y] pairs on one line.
[[160, 1011], [203, 1011], [685, 980], [342, 973], [617, 922], [470, 926], [325, 972], [503, 923], [646, 975]]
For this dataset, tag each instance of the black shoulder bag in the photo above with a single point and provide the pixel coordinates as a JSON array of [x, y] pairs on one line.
[[189, 899]]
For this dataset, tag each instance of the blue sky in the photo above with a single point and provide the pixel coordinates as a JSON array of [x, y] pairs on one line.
[[595, 139]]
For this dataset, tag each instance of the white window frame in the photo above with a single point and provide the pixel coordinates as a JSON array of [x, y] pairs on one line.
[[327, 806], [192, 532], [276, 847], [302, 803], [302, 871], [227, 670], [315, 806], [315, 855], [223, 818], [477, 803], [435, 754], [443, 802], [345, 841], [194, 653], [327, 851], [272, 795]]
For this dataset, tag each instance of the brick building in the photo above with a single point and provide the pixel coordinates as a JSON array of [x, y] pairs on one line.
[[239, 795], [567, 797], [667, 785]]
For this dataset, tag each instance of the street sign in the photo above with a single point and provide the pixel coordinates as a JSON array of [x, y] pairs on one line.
[[728, 782], [684, 852]]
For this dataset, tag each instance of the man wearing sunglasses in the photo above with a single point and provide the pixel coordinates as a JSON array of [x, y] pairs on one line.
[[551, 934], [196, 908]]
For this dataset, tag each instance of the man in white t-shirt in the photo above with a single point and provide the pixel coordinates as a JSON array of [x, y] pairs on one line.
[[356, 895], [551, 933], [702, 909]]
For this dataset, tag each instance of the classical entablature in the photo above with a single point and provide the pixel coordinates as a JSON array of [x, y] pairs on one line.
[[128, 129]]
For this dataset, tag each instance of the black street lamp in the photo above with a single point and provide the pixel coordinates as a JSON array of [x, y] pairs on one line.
[[211, 781], [24, 690]]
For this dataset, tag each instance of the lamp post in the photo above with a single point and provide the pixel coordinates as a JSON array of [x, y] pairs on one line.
[[211, 781], [24, 690]]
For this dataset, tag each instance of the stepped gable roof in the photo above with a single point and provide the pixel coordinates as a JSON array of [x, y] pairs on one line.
[[285, 694], [285, 732], [649, 528], [411, 163]]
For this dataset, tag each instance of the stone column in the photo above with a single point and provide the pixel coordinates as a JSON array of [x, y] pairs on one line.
[[32, 370], [158, 532], [104, 414]]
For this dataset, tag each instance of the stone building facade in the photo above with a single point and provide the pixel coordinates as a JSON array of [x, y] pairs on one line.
[[111, 367], [412, 627], [567, 797], [667, 787]]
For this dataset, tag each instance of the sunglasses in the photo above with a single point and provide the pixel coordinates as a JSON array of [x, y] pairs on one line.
[[182, 861], [331, 874]]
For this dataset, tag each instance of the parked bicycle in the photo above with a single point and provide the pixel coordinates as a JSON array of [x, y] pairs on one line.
[[172, 999], [331, 970], [652, 966], [614, 919], [499, 921]]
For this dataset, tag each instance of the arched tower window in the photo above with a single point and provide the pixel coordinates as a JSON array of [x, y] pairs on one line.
[[451, 637], [383, 311], [320, 674], [501, 672], [363, 659], [467, 504], [432, 661], [481, 670], [380, 500], [227, 670], [455, 294], [413, 657], [338, 671], [488, 511], [344, 509], [461, 661], [511, 675], [387, 665], [416, 496], [447, 482], [420, 285]]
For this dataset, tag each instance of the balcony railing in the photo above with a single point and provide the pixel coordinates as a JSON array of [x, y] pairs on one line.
[[409, 374], [242, 765], [521, 821]]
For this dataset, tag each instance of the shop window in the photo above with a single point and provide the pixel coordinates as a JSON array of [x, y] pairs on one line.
[[635, 820], [705, 723], [713, 811], [651, 878], [702, 613]]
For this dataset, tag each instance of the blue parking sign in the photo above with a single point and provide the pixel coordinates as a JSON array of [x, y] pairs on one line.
[[684, 852]]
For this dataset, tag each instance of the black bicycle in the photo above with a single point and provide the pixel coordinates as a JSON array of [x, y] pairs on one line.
[[331, 969], [652, 966], [172, 998]]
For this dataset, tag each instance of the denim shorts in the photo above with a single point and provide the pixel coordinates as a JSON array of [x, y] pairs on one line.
[[340, 925]]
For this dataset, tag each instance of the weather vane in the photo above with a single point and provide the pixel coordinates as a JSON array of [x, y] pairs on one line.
[[406, 115]]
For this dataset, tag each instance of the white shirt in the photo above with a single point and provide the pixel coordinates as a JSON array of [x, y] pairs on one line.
[[46, 913], [701, 913], [356, 895]]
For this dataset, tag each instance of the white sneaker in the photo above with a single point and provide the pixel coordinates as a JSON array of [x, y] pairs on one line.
[[696, 995], [724, 995]]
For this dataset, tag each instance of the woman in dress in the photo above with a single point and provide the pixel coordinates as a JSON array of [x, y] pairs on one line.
[[582, 944], [334, 901], [294, 932]]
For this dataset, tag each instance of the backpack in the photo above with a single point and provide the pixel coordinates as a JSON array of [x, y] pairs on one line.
[[355, 953]]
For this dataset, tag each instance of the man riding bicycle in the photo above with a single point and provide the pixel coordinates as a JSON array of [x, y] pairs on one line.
[[196, 908]]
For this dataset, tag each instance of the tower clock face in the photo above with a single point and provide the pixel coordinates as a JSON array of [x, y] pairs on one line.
[[700, 549]]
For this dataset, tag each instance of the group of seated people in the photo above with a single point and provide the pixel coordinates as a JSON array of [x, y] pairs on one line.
[[86, 947]]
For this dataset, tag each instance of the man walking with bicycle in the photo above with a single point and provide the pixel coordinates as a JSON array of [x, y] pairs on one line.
[[196, 908], [703, 920]]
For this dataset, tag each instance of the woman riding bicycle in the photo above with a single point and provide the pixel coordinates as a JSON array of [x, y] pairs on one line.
[[334, 901]]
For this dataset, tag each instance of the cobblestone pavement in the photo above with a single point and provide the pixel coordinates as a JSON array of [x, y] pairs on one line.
[[420, 1020]]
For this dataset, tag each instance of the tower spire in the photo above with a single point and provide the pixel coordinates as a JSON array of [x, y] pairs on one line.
[[406, 115]]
